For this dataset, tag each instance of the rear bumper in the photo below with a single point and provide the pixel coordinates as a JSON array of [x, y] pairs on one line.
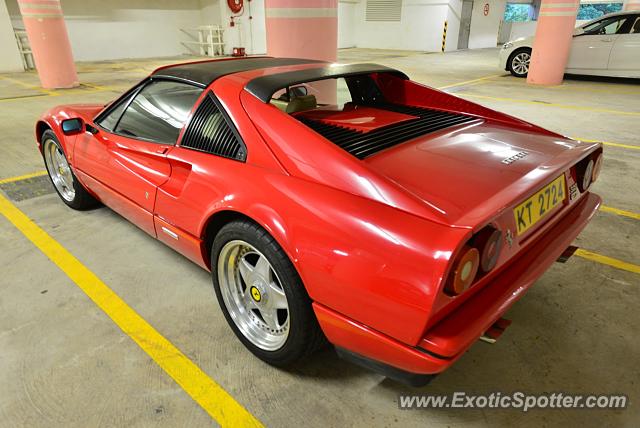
[[447, 340]]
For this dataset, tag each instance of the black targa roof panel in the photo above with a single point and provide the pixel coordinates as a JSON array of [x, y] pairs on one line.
[[264, 87], [205, 72]]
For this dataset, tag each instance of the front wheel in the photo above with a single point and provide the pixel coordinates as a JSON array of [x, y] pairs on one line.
[[262, 296], [64, 181], [519, 61]]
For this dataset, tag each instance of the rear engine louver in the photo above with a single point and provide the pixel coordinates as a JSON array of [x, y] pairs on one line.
[[361, 144], [209, 132]]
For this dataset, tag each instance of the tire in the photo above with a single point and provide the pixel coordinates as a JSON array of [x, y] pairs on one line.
[[244, 282], [518, 63], [61, 175]]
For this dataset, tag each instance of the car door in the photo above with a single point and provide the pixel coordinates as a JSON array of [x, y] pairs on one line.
[[592, 48], [625, 54], [125, 159]]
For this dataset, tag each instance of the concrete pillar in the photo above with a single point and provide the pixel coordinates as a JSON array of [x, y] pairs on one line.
[[631, 5], [304, 29], [552, 43], [47, 33], [10, 60]]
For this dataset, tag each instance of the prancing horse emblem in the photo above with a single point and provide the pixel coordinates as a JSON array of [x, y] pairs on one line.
[[509, 238]]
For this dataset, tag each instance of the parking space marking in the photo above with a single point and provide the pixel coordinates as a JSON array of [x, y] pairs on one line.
[[617, 211], [22, 177], [223, 408], [608, 143], [550, 104], [29, 86], [609, 261], [467, 82]]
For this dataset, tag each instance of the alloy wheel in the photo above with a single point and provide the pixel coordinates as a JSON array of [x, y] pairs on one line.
[[253, 295]]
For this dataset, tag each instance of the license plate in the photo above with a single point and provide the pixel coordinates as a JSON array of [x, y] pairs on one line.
[[539, 205]]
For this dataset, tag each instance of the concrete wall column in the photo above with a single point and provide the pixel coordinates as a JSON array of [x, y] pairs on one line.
[[631, 5], [304, 29], [552, 43], [47, 33]]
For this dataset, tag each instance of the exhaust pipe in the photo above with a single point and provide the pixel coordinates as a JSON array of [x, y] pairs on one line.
[[566, 254], [495, 331]]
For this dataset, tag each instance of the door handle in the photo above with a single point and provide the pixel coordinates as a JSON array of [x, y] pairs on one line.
[[162, 150], [607, 40]]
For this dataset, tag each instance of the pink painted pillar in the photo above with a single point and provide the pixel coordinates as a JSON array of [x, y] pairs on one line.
[[631, 5], [304, 29], [47, 33], [552, 43]]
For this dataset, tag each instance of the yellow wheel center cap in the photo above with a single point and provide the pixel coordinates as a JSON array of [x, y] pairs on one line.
[[255, 293]]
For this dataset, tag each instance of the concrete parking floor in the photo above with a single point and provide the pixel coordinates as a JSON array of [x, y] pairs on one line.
[[63, 362]]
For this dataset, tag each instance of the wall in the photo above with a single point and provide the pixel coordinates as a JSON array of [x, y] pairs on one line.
[[420, 27], [9, 55], [453, 24], [249, 30], [101, 30], [346, 23], [528, 29], [484, 29], [117, 29]]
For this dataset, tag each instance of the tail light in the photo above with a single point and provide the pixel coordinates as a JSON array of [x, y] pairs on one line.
[[584, 173], [464, 271], [478, 256], [489, 242], [597, 166]]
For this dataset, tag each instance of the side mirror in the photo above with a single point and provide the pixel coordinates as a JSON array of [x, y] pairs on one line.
[[72, 126]]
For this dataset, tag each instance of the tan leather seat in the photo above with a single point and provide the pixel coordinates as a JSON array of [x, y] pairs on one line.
[[282, 105], [302, 103]]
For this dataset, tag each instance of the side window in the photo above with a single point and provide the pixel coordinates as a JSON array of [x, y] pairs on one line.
[[635, 29], [110, 121], [611, 25], [159, 111], [211, 131]]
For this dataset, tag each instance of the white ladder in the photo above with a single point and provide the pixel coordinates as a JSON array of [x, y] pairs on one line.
[[206, 40], [25, 49]]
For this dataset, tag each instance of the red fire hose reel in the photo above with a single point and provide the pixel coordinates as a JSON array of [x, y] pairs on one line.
[[235, 5]]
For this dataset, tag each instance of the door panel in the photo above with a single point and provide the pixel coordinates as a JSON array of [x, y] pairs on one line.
[[123, 206], [592, 48], [591, 51], [133, 169], [625, 54]]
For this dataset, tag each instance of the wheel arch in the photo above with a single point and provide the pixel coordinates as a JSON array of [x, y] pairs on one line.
[[41, 127], [515, 52], [217, 220]]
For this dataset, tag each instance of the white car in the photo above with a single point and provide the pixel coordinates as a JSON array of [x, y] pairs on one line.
[[606, 46]]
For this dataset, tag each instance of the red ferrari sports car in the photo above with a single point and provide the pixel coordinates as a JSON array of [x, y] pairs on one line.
[[339, 203]]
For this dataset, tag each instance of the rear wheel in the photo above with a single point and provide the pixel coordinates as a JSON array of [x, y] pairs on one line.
[[64, 181], [519, 62], [262, 296]]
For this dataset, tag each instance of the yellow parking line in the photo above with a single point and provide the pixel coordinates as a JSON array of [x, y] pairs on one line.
[[27, 85], [599, 258], [549, 104], [204, 390], [470, 81], [624, 213], [22, 177], [608, 143]]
